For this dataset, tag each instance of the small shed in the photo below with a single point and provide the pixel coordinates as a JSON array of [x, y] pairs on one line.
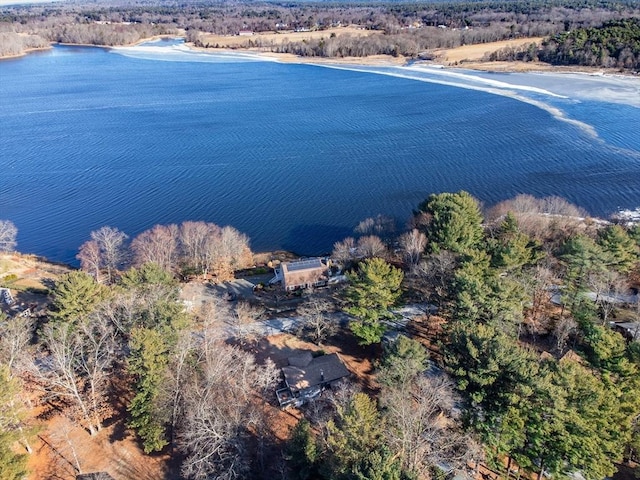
[[307, 376]]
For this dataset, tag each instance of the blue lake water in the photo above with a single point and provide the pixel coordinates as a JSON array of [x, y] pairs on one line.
[[292, 155]]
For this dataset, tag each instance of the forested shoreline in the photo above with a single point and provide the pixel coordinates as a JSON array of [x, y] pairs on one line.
[[409, 30], [616, 44], [514, 363]]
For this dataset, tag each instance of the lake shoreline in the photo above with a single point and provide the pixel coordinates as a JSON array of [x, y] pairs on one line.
[[373, 60], [25, 53], [388, 60], [306, 175]]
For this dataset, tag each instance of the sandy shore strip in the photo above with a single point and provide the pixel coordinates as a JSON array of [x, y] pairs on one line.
[[51, 45], [469, 57], [25, 52]]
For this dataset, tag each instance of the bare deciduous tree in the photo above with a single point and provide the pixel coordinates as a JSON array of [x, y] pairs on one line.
[[15, 336], [90, 258], [316, 322], [75, 368], [213, 316], [177, 376], [245, 319], [219, 417], [8, 235], [344, 252], [111, 242], [421, 429], [234, 248], [540, 286], [193, 244], [608, 286], [413, 244], [564, 328], [206, 247], [541, 218], [371, 247], [436, 276], [379, 225], [158, 245]]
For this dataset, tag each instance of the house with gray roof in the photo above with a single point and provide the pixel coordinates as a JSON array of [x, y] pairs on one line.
[[307, 376]]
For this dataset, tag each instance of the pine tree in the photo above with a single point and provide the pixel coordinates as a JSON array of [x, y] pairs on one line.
[[455, 222], [373, 290], [148, 361], [302, 451], [13, 466], [75, 295], [620, 250], [352, 437]]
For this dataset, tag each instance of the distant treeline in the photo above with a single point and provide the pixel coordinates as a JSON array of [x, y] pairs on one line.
[[12, 43], [408, 29], [616, 44]]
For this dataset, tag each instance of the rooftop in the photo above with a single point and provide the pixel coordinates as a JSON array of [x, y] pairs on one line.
[[305, 371], [307, 264]]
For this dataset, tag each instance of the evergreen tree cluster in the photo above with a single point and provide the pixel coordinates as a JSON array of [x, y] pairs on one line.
[[615, 44]]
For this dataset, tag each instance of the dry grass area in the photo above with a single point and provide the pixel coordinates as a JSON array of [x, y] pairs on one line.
[[31, 270], [471, 57], [62, 448], [28, 277], [279, 38], [475, 53]]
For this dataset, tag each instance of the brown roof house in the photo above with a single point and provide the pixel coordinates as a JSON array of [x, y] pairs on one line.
[[307, 376], [311, 272]]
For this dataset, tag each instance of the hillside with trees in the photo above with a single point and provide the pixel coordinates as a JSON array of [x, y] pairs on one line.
[[407, 29], [515, 364], [615, 44]]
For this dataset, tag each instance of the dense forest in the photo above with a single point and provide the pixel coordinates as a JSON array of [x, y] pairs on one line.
[[409, 29], [616, 44], [516, 363]]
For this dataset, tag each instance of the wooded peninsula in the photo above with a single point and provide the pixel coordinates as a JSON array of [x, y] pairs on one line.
[[590, 33], [489, 343]]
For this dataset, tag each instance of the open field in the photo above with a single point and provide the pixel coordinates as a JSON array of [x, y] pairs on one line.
[[474, 53], [31, 267], [468, 56], [279, 38]]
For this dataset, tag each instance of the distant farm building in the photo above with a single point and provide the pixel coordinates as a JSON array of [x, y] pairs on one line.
[[245, 33], [307, 376], [312, 272]]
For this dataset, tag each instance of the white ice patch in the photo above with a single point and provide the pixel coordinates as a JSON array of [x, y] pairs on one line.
[[470, 82], [531, 88], [629, 217], [182, 53], [481, 81]]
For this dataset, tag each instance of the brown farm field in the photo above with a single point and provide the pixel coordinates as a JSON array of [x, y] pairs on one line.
[[477, 52], [270, 39]]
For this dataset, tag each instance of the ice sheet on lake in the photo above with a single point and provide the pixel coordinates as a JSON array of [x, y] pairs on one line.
[[181, 53], [525, 93]]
